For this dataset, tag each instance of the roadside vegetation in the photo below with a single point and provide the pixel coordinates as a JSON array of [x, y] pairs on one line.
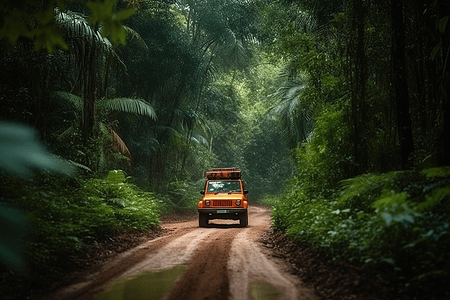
[[394, 225], [372, 182], [60, 220]]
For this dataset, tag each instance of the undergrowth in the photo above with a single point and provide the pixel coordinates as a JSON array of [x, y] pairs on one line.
[[69, 215], [396, 225]]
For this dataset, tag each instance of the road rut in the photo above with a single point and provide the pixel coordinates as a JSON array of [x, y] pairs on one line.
[[222, 261]]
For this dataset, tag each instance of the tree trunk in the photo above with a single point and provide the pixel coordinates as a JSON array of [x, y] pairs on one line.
[[444, 158], [89, 95], [400, 83], [359, 78]]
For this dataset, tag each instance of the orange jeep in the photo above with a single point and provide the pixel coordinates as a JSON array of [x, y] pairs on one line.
[[224, 197]]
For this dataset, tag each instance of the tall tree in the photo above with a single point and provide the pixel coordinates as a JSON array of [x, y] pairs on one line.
[[400, 82]]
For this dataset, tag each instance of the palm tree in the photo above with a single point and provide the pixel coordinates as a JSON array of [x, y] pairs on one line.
[[220, 31], [93, 56], [295, 117], [106, 111]]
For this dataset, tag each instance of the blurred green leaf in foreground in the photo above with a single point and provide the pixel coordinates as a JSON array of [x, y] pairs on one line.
[[20, 154]]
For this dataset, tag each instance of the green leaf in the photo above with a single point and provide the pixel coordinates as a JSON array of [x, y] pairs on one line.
[[13, 227], [46, 16], [124, 14], [437, 172], [443, 24], [434, 198], [129, 105], [101, 11], [390, 198], [387, 217], [21, 152], [329, 81], [435, 50], [116, 176]]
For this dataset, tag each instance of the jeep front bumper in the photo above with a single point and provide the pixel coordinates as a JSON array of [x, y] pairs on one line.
[[223, 213]]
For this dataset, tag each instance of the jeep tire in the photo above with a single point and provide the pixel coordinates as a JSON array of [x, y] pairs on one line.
[[244, 220], [202, 220]]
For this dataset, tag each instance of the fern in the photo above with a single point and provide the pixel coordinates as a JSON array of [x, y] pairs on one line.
[[437, 196], [437, 172]]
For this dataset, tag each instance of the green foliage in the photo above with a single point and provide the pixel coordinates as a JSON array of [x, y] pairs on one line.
[[17, 21], [13, 228], [21, 152], [116, 176], [129, 105], [33, 20], [112, 21], [184, 194], [323, 161], [397, 221], [73, 214], [362, 191]]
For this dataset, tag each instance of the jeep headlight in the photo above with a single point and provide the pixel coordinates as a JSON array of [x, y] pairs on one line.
[[207, 202], [238, 202]]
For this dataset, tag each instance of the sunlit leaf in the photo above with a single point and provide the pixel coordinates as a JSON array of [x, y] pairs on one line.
[[116, 176], [437, 172]]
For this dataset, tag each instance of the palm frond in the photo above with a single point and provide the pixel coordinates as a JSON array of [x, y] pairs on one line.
[[188, 118], [233, 51], [75, 26], [78, 165], [118, 144], [133, 36], [145, 148], [199, 139], [296, 120], [68, 134], [70, 98], [129, 105], [306, 22], [76, 29]]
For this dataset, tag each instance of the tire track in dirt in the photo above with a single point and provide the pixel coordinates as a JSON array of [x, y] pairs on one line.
[[231, 264], [95, 282], [223, 262], [254, 274], [207, 275]]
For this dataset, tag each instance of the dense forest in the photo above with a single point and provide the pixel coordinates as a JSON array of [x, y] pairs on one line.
[[336, 111]]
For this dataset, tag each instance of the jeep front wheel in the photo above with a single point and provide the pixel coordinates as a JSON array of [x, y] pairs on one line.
[[244, 220], [202, 220]]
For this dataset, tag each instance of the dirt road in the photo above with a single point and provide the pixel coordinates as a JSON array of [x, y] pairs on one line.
[[219, 262]]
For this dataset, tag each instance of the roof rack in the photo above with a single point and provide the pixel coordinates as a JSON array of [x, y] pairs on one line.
[[223, 173]]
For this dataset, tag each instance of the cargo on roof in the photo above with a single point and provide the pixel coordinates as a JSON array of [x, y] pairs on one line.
[[223, 173]]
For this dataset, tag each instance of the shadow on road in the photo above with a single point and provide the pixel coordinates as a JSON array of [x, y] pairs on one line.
[[217, 223]]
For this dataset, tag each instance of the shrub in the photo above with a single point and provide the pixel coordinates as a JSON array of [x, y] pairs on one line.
[[398, 221], [67, 215]]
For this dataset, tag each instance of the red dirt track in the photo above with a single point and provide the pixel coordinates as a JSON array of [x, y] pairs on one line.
[[223, 262]]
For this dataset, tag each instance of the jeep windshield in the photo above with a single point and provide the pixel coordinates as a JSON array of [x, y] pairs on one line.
[[224, 186]]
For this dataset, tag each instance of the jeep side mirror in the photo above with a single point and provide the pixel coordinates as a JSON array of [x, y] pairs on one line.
[[202, 192], [245, 192]]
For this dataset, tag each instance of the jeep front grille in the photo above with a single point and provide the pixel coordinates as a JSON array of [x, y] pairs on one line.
[[222, 202]]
